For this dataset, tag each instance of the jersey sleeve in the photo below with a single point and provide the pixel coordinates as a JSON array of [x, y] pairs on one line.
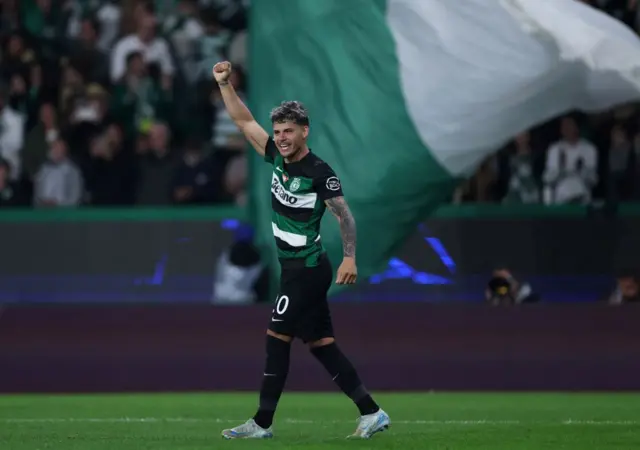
[[327, 184], [270, 151]]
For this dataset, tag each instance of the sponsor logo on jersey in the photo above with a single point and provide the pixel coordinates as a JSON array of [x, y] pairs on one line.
[[299, 199], [280, 192]]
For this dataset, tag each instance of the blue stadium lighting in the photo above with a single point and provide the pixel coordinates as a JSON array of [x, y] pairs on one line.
[[396, 268], [158, 274], [442, 253], [399, 270], [230, 224]]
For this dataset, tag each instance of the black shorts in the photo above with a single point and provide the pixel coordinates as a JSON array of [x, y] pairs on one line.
[[301, 309]]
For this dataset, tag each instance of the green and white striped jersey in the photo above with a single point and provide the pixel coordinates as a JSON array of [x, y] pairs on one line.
[[298, 193]]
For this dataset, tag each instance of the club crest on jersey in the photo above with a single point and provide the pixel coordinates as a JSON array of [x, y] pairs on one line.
[[295, 185]]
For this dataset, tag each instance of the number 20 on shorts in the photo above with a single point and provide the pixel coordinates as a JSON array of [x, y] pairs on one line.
[[282, 304]]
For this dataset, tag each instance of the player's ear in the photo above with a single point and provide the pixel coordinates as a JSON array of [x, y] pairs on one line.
[[305, 131]]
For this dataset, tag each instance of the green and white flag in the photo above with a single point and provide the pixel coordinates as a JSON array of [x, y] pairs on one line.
[[407, 96]]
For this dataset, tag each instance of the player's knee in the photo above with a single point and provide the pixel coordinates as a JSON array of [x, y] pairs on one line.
[[282, 337], [321, 342]]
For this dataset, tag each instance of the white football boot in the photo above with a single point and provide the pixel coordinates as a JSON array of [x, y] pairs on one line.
[[248, 430], [371, 424]]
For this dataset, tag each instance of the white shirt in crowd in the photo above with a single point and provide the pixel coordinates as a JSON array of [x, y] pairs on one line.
[[224, 127], [157, 51], [570, 172], [61, 182], [12, 139], [234, 284], [184, 42], [108, 15]]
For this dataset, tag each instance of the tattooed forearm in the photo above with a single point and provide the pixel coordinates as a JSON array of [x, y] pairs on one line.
[[339, 208]]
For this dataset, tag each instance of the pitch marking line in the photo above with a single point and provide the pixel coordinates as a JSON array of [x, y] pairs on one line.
[[312, 422]]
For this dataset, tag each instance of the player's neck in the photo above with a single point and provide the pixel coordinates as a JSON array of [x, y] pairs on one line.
[[304, 151]]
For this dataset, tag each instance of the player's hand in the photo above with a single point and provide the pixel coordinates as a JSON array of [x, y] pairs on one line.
[[347, 272], [222, 71]]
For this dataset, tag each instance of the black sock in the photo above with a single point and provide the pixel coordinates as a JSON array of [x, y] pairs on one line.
[[345, 376], [273, 381]]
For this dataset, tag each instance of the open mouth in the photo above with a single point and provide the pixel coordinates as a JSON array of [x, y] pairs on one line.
[[285, 147]]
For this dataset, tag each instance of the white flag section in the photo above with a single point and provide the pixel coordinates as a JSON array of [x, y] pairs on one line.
[[475, 73]]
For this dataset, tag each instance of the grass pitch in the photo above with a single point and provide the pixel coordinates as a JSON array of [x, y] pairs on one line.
[[322, 421]]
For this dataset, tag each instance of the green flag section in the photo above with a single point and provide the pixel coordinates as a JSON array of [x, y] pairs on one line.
[[338, 58], [406, 96]]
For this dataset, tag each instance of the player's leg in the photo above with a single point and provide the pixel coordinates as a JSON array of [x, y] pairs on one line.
[[324, 348], [276, 369], [275, 374], [372, 418], [343, 373]]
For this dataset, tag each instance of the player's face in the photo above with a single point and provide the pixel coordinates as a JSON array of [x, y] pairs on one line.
[[289, 137]]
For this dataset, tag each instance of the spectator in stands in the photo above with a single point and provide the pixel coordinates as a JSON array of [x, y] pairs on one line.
[[226, 135], [622, 161], [10, 193], [85, 54], [228, 143], [213, 45], [184, 29], [39, 140], [523, 184], [86, 112], [22, 74], [59, 181], [72, 96], [240, 276], [197, 178], [238, 49], [105, 15], [571, 167], [504, 289], [482, 186], [59, 110], [138, 99], [16, 58], [627, 289], [45, 24], [231, 13], [110, 171], [153, 48], [9, 17], [157, 168], [23, 98], [11, 134], [235, 180]]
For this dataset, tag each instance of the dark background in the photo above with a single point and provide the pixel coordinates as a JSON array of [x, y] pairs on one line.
[[125, 310], [395, 346], [110, 261], [445, 260]]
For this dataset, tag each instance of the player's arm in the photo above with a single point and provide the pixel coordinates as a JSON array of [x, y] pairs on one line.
[[340, 209], [329, 189], [238, 111]]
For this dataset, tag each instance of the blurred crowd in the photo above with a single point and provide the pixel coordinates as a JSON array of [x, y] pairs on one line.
[[111, 102], [574, 159]]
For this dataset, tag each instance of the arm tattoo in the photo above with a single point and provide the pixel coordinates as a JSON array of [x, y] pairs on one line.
[[339, 208]]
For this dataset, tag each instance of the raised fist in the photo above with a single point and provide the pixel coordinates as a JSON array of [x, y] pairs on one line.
[[222, 71]]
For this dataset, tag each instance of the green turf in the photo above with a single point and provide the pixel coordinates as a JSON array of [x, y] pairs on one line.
[[321, 421]]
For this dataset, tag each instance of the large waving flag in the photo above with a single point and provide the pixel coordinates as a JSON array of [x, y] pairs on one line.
[[407, 96]]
